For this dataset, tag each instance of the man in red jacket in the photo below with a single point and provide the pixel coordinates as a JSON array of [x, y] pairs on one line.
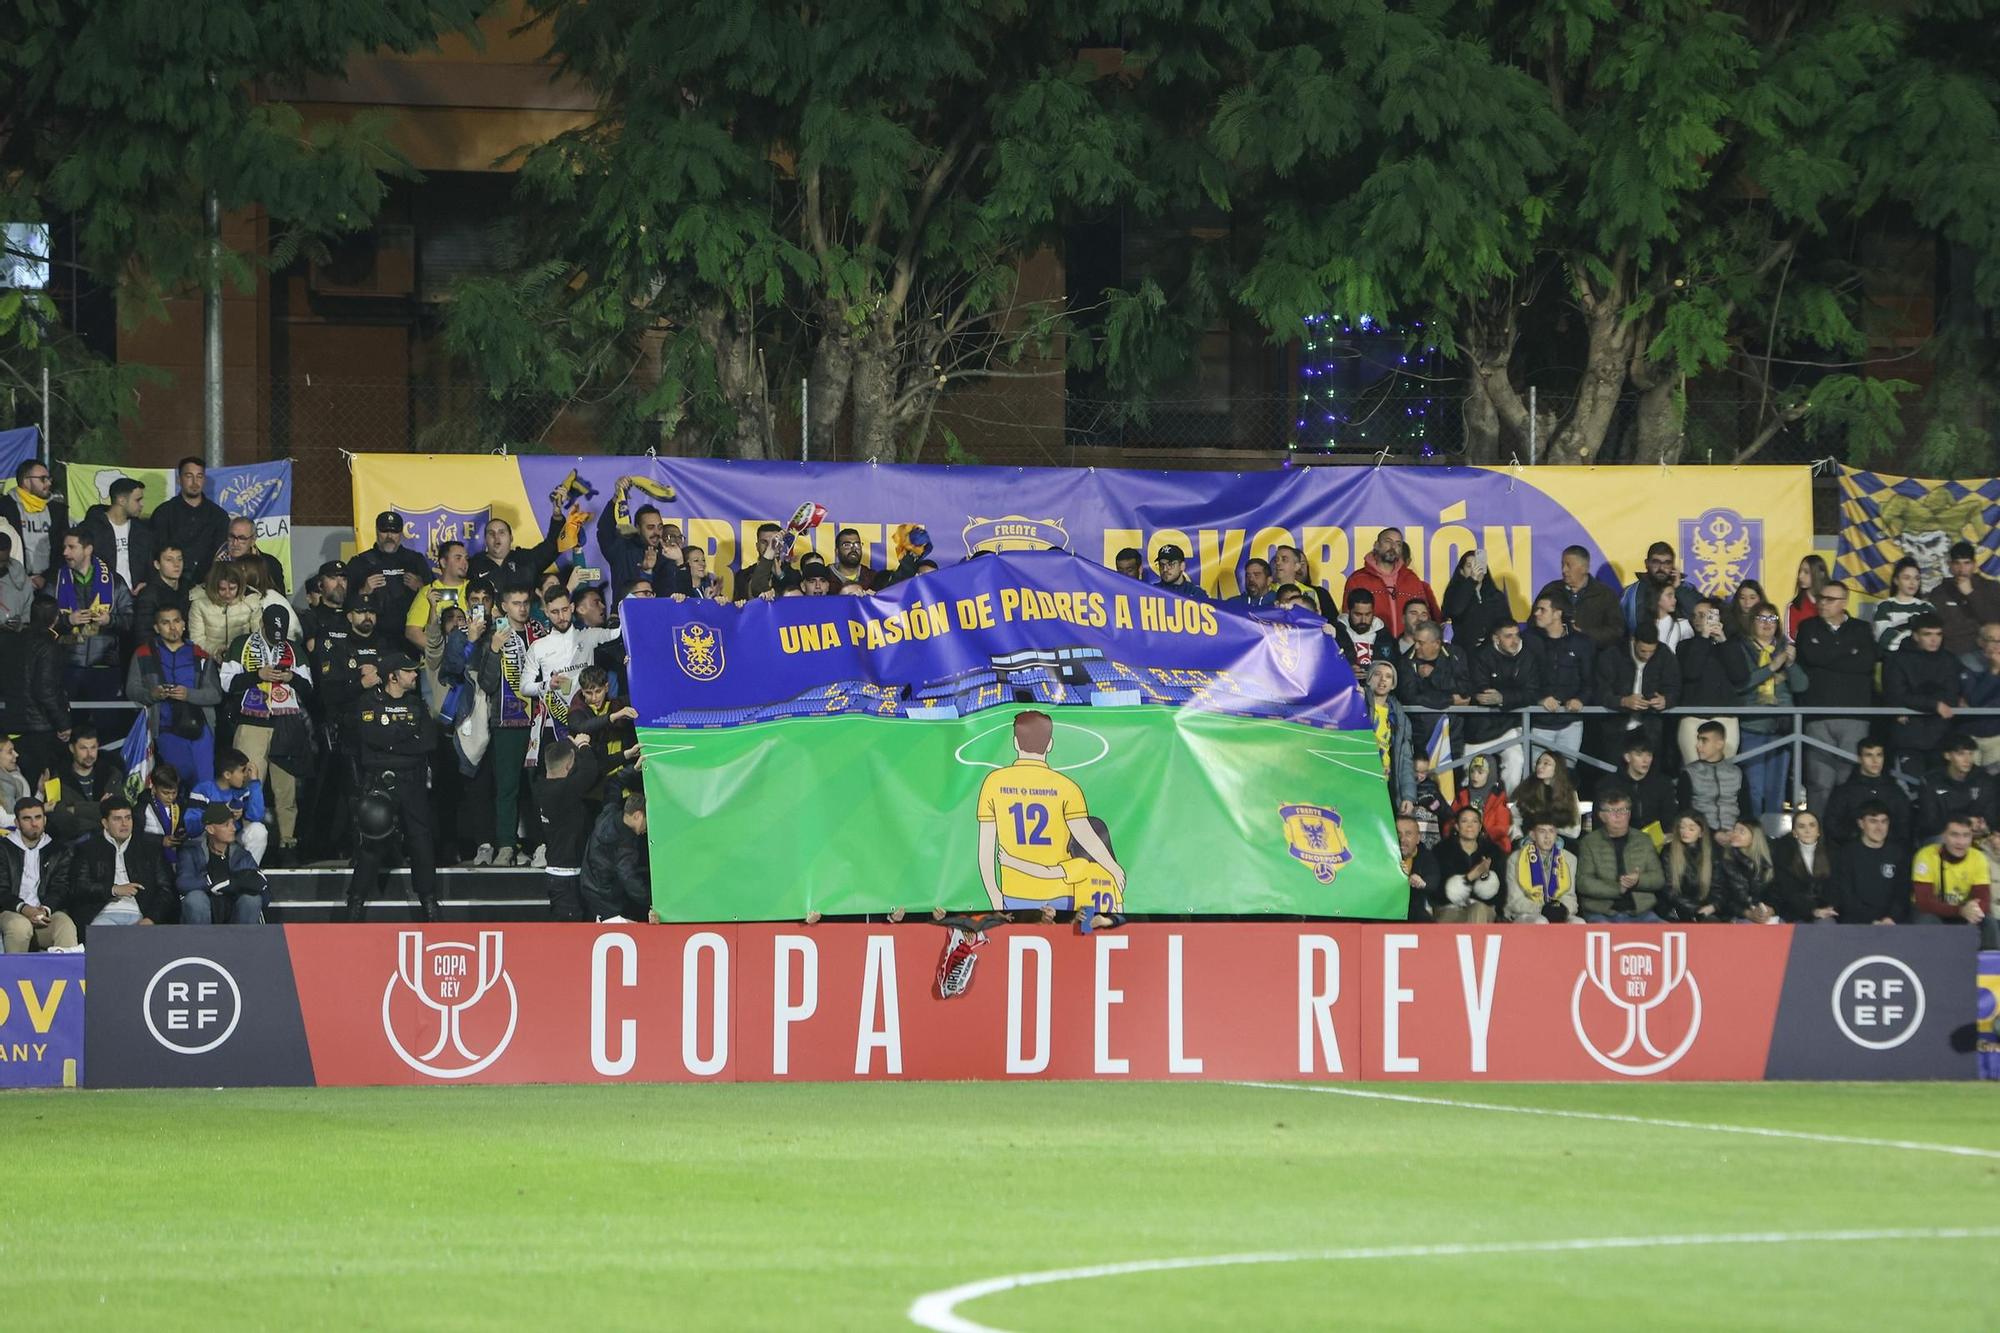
[[1385, 574]]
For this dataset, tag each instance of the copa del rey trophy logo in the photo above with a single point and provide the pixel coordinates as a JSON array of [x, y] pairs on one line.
[[450, 1009], [1636, 1007]]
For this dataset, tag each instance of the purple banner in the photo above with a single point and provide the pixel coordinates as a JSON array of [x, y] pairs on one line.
[[1020, 627]]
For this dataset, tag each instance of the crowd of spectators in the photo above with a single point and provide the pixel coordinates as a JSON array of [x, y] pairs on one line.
[[477, 701], [1686, 703]]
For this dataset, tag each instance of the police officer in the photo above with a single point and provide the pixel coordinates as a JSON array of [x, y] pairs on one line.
[[390, 736], [347, 662]]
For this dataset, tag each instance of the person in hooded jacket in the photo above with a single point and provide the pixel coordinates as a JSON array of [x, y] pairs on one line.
[[1474, 605], [1480, 790]]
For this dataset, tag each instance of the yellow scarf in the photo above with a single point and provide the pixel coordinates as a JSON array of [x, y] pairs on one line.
[[30, 504], [1767, 693], [1382, 731]]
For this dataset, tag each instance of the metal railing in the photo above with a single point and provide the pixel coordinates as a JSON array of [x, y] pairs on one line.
[[1792, 735]]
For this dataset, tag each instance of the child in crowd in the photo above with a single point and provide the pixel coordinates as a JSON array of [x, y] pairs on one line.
[[161, 813], [608, 721], [237, 786]]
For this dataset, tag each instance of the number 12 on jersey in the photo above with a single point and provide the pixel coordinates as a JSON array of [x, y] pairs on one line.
[[1031, 824]]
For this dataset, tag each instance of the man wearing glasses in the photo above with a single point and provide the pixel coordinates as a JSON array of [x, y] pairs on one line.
[[1838, 654], [42, 522], [242, 545]]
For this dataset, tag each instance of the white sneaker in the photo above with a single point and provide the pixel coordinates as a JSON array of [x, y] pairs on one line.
[[484, 856], [504, 857], [540, 859]]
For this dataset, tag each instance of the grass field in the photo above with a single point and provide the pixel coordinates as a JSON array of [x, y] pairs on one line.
[[838, 1206]]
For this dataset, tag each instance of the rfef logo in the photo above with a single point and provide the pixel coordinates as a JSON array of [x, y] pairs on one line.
[[1636, 1007], [450, 1009], [192, 1005], [1878, 1002]]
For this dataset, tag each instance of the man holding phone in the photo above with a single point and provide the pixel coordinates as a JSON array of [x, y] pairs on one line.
[[388, 572]]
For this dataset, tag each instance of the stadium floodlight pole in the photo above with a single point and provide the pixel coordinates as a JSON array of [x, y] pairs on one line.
[[211, 336], [48, 413], [1532, 419], [805, 419]]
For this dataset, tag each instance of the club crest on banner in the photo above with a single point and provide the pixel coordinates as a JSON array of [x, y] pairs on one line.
[[1636, 1007], [1721, 549], [1015, 533], [1314, 835], [698, 649], [441, 1010], [426, 530]]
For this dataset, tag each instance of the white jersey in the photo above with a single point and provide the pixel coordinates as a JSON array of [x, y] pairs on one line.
[[555, 659]]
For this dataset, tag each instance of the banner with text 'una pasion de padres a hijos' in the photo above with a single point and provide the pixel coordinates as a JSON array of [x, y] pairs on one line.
[[1024, 729]]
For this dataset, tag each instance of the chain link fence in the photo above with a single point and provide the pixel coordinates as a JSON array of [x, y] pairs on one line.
[[316, 422]]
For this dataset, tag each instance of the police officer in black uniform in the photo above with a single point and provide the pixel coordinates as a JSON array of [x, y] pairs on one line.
[[347, 662], [390, 736]]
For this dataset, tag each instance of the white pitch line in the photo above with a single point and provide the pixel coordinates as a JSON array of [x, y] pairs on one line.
[[938, 1310], [1804, 1136]]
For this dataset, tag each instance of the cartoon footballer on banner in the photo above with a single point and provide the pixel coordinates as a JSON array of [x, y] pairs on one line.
[[1035, 821]]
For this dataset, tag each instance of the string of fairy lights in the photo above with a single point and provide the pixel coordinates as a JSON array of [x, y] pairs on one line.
[[1364, 385]]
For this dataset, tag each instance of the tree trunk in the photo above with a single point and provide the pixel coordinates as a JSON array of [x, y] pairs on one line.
[[1482, 423], [876, 420], [1598, 392], [832, 379], [1660, 434], [740, 377]]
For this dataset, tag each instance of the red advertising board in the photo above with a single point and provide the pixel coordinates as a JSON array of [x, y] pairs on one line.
[[550, 1003], [1564, 1003], [536, 1003]]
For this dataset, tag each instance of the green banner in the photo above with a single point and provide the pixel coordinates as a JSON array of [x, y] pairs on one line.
[[1205, 813]]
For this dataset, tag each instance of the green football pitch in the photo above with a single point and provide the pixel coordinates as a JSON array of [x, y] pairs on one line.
[[862, 1206]]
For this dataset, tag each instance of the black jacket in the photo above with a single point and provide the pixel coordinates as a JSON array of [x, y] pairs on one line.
[[1915, 679], [1520, 680], [390, 735], [524, 564], [88, 874], [1870, 883], [1569, 672], [200, 531], [47, 703], [1474, 610], [1843, 807], [75, 814], [615, 878], [1738, 884], [1425, 867], [1839, 663], [392, 600], [1594, 612], [146, 603], [563, 806], [1798, 891], [10, 509], [140, 548], [1705, 681], [1421, 684], [1941, 796], [12, 859], [338, 657], [1654, 799]]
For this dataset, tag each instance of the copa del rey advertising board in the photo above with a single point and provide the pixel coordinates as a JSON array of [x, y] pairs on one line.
[[575, 1004]]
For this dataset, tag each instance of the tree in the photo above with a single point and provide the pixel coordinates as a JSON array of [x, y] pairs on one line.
[[1678, 181], [847, 193], [119, 116]]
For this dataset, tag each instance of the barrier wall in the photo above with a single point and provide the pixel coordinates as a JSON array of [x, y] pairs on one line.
[[342, 1005], [41, 1020]]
